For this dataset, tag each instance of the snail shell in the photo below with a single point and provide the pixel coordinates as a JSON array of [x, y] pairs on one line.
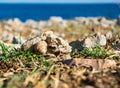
[[41, 47]]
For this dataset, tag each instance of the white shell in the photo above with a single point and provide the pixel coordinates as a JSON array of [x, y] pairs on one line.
[[41, 47]]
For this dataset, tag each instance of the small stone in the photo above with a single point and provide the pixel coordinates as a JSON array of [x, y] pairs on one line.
[[30, 42], [116, 46], [96, 39], [118, 21], [55, 19], [18, 40], [101, 39], [109, 35], [88, 86], [46, 34], [31, 23], [88, 42], [117, 41]]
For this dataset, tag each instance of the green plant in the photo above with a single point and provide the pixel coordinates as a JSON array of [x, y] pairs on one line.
[[29, 57], [94, 52], [5, 51], [114, 55]]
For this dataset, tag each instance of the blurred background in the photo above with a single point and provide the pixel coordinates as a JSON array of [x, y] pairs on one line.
[[67, 9]]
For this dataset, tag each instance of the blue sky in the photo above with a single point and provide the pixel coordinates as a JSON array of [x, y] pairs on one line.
[[59, 1]]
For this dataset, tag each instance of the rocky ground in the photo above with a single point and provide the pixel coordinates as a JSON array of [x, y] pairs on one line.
[[58, 53]]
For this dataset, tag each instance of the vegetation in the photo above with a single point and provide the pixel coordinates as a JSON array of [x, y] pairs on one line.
[[30, 70], [95, 52], [26, 57]]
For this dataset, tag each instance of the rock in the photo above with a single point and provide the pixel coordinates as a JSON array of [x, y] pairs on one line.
[[7, 37], [117, 41], [88, 86], [7, 27], [14, 23], [17, 40], [109, 35], [82, 20], [88, 42], [101, 39], [57, 22], [76, 45], [116, 45], [94, 20], [17, 22], [91, 41], [30, 43], [55, 19], [105, 22], [118, 21], [41, 24], [48, 43], [35, 32], [31, 23]]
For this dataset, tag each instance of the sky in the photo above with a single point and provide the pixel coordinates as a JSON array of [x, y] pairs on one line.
[[59, 1]]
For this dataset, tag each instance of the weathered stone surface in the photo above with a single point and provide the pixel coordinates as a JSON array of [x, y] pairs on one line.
[[91, 41], [55, 19], [117, 41], [101, 39], [88, 42], [116, 45], [109, 35], [118, 21], [27, 44], [48, 43]]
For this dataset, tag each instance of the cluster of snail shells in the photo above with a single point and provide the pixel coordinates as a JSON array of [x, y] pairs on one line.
[[47, 43]]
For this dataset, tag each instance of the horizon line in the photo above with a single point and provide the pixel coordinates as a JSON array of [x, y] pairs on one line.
[[59, 2]]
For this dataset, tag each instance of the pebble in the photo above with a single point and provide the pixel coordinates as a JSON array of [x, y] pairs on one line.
[[109, 35], [92, 41], [118, 21]]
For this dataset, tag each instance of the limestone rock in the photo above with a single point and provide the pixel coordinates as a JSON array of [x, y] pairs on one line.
[[88, 42], [91, 41], [116, 44], [118, 21], [55, 19], [30, 42], [48, 43], [31, 23], [109, 35], [101, 39], [117, 41]]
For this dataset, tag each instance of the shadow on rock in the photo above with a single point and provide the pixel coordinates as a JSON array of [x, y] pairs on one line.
[[76, 45]]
